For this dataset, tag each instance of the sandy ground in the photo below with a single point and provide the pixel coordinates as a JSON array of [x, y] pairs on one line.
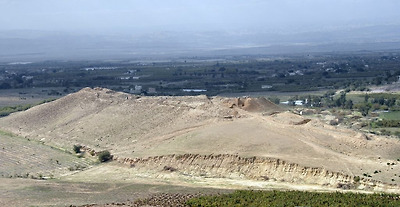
[[117, 173], [114, 183], [28, 192]]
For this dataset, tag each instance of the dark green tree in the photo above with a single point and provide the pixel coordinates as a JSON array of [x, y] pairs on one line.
[[77, 148], [104, 156]]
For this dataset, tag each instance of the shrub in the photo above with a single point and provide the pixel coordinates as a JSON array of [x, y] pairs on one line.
[[77, 148], [104, 156], [295, 198], [357, 179], [170, 169]]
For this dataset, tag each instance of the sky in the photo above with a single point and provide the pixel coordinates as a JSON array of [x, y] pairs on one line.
[[98, 16]]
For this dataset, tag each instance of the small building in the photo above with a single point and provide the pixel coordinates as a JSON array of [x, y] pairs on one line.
[[137, 89], [194, 90], [298, 102]]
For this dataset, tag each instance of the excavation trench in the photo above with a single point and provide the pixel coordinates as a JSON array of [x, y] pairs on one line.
[[253, 168]]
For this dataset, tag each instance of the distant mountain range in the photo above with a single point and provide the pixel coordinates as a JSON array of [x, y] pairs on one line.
[[24, 45]]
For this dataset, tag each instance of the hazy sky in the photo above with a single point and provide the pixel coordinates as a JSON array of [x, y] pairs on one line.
[[193, 15]]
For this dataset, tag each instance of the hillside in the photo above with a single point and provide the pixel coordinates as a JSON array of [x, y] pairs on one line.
[[211, 136], [22, 158]]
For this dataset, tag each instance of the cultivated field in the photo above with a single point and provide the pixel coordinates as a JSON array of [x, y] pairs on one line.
[[12, 97]]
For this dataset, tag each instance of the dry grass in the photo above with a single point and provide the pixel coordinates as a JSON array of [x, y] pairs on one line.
[[28, 192], [31, 159]]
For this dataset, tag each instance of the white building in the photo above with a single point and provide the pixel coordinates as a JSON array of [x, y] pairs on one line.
[[194, 90], [266, 86], [298, 103]]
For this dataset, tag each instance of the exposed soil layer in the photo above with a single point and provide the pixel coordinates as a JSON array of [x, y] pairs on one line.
[[256, 168]]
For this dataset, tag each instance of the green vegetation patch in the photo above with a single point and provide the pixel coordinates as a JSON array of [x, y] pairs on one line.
[[104, 156], [393, 115], [384, 95], [296, 198], [7, 110]]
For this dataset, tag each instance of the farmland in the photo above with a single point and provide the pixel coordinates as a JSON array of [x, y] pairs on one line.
[[225, 74]]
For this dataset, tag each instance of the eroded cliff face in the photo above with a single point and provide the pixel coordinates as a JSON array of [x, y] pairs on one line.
[[255, 168]]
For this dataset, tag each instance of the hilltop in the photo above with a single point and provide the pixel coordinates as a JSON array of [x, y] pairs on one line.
[[237, 138]]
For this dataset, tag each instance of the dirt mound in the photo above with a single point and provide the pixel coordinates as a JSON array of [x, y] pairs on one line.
[[287, 118], [261, 105], [98, 117], [138, 126]]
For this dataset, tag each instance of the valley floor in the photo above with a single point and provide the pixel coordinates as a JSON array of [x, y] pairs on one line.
[[28, 192]]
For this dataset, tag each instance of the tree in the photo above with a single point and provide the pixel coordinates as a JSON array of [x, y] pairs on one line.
[[340, 102], [348, 104], [105, 156], [5, 86], [77, 148], [366, 97], [363, 108]]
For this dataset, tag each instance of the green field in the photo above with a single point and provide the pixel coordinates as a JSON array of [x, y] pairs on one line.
[[296, 198], [356, 98], [393, 115]]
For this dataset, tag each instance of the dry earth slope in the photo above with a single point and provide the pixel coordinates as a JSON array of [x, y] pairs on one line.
[[222, 137]]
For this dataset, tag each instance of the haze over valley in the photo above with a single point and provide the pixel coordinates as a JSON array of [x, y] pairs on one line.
[[75, 30]]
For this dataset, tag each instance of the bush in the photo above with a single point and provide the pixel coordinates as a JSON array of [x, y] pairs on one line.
[[104, 156], [77, 148], [357, 179]]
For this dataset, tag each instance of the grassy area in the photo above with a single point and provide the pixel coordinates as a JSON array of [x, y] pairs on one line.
[[296, 198], [7, 110], [21, 157], [356, 98], [393, 115]]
